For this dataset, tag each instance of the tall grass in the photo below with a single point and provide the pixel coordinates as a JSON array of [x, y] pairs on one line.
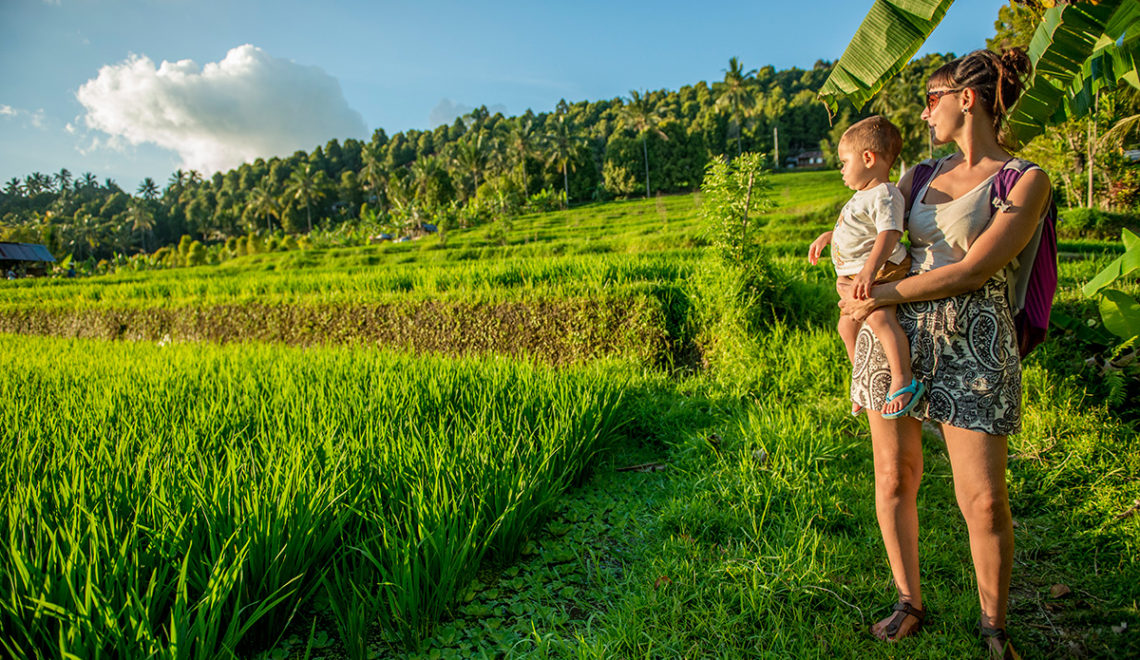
[[186, 501]]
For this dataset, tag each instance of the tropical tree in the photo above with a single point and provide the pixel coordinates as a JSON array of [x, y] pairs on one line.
[[521, 143], [373, 174], [14, 187], [141, 220], [471, 156], [89, 181], [737, 95], [148, 189], [563, 145], [643, 117], [36, 183], [306, 186], [62, 179], [263, 204]]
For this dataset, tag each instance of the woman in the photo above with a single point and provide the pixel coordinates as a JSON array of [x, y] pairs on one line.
[[956, 313]]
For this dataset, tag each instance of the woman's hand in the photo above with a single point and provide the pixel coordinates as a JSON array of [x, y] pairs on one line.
[[852, 306]]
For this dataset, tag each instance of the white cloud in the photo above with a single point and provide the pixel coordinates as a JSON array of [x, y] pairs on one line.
[[35, 119], [447, 111], [246, 106]]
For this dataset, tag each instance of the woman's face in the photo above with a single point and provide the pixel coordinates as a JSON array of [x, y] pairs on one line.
[[942, 112]]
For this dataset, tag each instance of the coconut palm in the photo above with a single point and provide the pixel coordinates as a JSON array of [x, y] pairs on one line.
[[142, 221], [519, 144], [563, 145], [373, 174], [471, 156], [14, 187], [36, 183], [62, 179], [263, 204], [306, 186], [737, 95], [89, 181], [640, 115], [148, 189]]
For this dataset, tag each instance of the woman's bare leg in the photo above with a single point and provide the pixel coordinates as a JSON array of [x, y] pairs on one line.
[[897, 447], [978, 461]]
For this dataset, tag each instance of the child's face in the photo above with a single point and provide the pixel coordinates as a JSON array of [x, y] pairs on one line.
[[859, 168]]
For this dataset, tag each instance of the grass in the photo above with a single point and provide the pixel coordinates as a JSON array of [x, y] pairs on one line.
[[266, 471]]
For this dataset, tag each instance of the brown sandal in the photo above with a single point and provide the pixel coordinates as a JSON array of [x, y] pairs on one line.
[[997, 641], [901, 609]]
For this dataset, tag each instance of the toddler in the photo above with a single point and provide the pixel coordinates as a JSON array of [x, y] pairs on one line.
[[866, 251]]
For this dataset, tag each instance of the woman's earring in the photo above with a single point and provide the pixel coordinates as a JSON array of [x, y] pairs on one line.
[[965, 111]]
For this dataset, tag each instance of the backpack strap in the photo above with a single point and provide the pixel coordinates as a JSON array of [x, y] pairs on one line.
[[920, 178], [1032, 275]]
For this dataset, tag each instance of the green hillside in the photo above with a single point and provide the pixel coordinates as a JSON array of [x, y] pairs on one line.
[[270, 470]]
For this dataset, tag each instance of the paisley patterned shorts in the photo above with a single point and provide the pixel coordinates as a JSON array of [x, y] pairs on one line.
[[964, 350]]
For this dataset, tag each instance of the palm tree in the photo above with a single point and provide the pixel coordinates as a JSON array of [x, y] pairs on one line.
[[177, 180], [89, 181], [263, 204], [737, 94], [62, 179], [520, 144], [429, 182], [471, 156], [36, 183], [563, 144], [14, 187], [306, 186], [142, 221], [148, 189], [193, 177], [373, 173], [643, 117]]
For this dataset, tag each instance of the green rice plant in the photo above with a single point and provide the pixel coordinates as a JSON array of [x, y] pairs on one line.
[[186, 501]]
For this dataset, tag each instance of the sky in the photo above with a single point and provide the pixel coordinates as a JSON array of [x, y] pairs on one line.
[[130, 89]]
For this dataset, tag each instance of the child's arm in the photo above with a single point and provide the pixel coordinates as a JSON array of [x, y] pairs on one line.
[[817, 246], [885, 244]]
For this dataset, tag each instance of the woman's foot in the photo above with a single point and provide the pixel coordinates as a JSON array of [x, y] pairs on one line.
[[997, 641], [905, 620]]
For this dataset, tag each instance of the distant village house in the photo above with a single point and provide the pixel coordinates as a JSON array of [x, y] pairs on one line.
[[24, 259]]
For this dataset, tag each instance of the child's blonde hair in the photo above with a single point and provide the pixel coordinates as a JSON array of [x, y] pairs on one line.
[[877, 135]]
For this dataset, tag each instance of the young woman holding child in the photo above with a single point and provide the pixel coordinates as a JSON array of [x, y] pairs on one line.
[[955, 310]]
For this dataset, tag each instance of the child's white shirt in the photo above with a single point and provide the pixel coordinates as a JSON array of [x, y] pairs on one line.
[[867, 214]]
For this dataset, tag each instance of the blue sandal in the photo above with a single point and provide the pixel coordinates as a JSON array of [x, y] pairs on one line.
[[916, 387]]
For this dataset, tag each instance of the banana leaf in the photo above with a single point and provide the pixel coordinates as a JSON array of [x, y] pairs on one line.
[[889, 36], [1075, 53]]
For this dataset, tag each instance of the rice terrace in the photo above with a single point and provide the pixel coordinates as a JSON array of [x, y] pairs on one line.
[[555, 384]]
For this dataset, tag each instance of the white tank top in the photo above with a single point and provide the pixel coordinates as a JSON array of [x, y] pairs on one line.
[[941, 234]]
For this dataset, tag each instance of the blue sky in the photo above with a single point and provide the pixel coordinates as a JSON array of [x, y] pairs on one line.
[[264, 76]]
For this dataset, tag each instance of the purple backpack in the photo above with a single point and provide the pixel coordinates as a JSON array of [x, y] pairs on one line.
[[1034, 280]]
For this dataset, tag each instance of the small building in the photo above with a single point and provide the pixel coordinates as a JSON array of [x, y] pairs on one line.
[[810, 160], [24, 259]]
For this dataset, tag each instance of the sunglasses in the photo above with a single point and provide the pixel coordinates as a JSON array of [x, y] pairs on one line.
[[932, 98]]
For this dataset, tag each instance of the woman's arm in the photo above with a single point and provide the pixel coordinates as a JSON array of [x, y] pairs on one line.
[[1006, 236]]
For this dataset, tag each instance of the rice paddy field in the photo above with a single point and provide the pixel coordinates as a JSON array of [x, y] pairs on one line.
[[586, 440]]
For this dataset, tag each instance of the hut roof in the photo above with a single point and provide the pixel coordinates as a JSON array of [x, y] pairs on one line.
[[24, 252]]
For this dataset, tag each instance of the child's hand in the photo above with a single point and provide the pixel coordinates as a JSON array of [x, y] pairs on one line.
[[817, 247], [862, 282]]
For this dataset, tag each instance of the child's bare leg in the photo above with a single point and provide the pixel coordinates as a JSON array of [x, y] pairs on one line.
[[885, 324], [848, 331]]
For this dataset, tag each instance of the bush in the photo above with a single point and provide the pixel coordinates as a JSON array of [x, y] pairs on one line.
[[1094, 223]]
